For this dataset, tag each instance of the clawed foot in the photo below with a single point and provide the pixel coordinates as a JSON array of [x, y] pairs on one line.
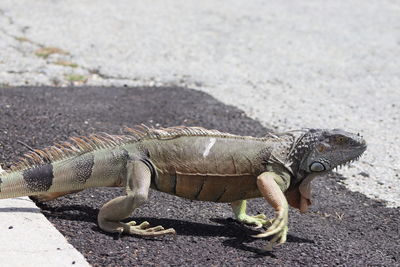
[[144, 229], [278, 230], [258, 220]]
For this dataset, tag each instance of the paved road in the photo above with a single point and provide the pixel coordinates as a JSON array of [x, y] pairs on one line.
[[342, 228], [288, 64]]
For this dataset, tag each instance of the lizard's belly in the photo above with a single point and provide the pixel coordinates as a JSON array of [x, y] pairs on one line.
[[208, 187]]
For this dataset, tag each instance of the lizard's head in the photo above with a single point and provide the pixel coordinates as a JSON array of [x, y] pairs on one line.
[[317, 151], [324, 149]]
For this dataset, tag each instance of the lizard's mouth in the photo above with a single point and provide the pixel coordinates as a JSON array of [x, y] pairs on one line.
[[347, 163], [354, 154]]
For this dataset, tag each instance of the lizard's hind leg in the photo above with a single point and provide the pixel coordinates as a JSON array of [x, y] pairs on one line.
[[117, 209]]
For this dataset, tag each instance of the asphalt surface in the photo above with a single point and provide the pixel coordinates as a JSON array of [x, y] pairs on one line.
[[342, 228]]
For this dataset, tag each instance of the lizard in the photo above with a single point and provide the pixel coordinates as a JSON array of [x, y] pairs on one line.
[[189, 162]]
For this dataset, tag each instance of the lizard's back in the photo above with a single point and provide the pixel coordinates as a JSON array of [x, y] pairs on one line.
[[209, 168], [190, 162]]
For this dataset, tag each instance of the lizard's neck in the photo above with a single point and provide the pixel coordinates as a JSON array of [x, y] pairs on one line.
[[290, 151]]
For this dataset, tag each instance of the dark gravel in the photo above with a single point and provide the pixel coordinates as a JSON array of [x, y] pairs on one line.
[[343, 228]]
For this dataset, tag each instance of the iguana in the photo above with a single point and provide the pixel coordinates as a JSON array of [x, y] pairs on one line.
[[189, 162]]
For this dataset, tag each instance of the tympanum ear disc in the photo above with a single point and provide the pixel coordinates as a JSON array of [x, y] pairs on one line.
[[317, 167]]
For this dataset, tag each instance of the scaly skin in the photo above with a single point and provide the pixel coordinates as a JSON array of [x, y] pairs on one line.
[[189, 162]]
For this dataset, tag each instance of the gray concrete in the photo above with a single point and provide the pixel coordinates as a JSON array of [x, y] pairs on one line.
[[28, 239], [289, 64]]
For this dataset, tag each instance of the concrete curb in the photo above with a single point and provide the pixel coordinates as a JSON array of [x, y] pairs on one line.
[[29, 239]]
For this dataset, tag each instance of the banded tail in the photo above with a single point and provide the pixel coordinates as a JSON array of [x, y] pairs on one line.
[[84, 162], [103, 167]]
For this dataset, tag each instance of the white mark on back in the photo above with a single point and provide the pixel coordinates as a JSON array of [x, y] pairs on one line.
[[209, 146]]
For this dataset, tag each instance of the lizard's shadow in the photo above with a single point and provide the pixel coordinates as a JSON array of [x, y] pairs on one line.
[[79, 213], [238, 236], [243, 237]]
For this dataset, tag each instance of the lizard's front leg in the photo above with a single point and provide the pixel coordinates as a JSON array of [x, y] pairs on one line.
[[271, 191], [137, 189], [239, 209]]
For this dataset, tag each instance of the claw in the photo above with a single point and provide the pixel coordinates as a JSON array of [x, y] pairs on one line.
[[144, 225], [258, 220], [278, 230], [144, 229], [266, 234], [156, 228], [258, 226], [271, 231], [284, 235], [279, 237], [259, 216]]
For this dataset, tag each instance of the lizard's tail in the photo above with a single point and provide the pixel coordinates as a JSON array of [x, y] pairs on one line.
[[80, 163], [18, 184], [52, 179], [35, 181], [6, 189]]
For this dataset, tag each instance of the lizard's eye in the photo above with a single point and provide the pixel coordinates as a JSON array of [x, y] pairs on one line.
[[321, 148], [317, 167], [340, 139]]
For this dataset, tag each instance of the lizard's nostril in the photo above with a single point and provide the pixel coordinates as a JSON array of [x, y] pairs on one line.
[[363, 142]]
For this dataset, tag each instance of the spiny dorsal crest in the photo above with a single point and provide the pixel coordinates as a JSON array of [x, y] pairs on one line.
[[73, 147], [143, 132], [78, 145]]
